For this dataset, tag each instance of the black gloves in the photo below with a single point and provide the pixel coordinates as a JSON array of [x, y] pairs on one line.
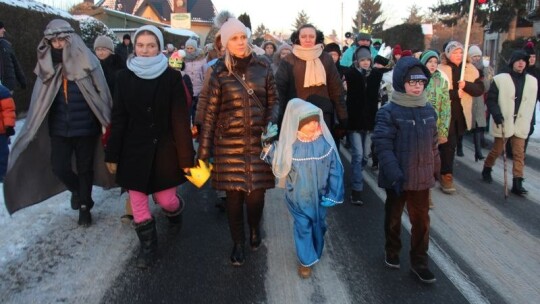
[[339, 131], [10, 131], [498, 118]]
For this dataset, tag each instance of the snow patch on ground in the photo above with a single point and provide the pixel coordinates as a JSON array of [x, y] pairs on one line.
[[46, 257]]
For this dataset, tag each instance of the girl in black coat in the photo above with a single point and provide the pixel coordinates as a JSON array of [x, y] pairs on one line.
[[150, 147]]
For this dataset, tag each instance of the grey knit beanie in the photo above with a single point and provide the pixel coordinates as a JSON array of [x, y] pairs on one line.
[[474, 50], [191, 42], [104, 42]]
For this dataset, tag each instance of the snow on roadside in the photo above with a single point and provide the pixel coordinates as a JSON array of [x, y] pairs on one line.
[[45, 257]]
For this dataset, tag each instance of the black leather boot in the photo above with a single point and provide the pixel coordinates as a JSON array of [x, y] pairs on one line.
[[146, 231], [486, 175], [237, 256], [517, 186], [477, 146], [255, 238]]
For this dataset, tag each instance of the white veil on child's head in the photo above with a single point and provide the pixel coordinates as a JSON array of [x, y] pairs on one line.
[[296, 110]]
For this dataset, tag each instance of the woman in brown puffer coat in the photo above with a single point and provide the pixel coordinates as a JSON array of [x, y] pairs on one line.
[[231, 132]]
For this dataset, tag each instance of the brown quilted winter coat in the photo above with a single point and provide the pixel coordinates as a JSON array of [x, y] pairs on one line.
[[233, 124]]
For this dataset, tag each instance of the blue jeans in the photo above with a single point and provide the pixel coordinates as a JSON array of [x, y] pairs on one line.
[[358, 161]]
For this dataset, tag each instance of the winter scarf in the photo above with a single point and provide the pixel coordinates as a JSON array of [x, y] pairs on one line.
[[409, 101], [148, 67], [197, 54], [315, 74]]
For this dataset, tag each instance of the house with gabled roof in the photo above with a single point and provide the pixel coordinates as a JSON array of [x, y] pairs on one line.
[[201, 12]]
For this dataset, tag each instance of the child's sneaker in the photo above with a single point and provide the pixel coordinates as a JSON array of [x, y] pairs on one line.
[[304, 272], [424, 275]]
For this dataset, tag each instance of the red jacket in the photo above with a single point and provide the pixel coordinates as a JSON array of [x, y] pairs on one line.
[[7, 110]]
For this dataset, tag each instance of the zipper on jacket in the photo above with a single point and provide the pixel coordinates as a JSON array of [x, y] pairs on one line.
[[65, 88], [247, 113]]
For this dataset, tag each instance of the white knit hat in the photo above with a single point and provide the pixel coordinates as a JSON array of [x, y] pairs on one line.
[[451, 46], [104, 42], [152, 29], [230, 28]]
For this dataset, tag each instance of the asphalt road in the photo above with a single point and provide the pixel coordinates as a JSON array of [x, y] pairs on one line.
[[194, 266]]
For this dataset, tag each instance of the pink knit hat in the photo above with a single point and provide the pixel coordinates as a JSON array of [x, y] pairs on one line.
[[229, 26]]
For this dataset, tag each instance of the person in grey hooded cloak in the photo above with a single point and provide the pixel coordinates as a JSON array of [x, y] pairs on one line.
[[72, 103]]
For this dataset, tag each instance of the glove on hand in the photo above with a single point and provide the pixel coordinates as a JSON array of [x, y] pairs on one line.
[[270, 134], [10, 131], [397, 186], [340, 131], [327, 203], [498, 118]]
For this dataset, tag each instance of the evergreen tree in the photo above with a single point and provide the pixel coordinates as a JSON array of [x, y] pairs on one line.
[[300, 20], [414, 15], [261, 31], [500, 15], [91, 28], [368, 17], [244, 18]]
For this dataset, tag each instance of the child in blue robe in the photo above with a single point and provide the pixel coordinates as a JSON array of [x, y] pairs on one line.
[[306, 159]]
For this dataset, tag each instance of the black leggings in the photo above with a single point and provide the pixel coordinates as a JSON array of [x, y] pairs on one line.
[[235, 212]]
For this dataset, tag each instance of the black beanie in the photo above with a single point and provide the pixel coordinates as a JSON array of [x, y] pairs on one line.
[[332, 47], [381, 60], [1, 25]]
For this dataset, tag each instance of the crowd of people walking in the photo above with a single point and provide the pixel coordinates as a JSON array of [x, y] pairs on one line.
[[140, 114]]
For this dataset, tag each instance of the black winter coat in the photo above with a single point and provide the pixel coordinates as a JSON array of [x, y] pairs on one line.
[[124, 50], [362, 98], [10, 69], [150, 132], [233, 124], [111, 66]]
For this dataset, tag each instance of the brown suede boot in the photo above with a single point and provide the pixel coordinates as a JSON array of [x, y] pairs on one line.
[[447, 183]]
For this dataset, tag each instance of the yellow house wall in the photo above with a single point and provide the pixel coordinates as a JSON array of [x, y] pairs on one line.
[[149, 13]]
